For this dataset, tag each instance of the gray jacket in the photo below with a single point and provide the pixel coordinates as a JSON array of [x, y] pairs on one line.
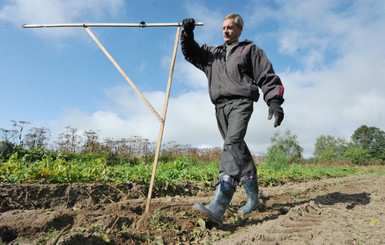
[[246, 69]]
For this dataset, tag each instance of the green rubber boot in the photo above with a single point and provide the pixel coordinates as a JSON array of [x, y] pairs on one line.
[[223, 194], [251, 188]]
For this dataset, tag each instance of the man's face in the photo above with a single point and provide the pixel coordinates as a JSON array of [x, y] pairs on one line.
[[231, 31]]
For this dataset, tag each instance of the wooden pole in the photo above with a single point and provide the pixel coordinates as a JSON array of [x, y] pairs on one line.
[[163, 121], [142, 24], [123, 73]]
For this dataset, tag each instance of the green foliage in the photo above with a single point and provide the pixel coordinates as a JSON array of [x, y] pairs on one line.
[[287, 144], [329, 147], [7, 149], [358, 155], [367, 144], [17, 170], [283, 150], [299, 173], [168, 174], [19, 165], [58, 170], [276, 159], [370, 139]]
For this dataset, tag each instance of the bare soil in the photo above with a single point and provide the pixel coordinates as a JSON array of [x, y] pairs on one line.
[[346, 210]]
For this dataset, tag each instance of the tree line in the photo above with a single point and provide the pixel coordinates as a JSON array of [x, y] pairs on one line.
[[366, 144], [75, 142]]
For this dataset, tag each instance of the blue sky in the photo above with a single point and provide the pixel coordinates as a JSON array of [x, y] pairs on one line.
[[329, 55]]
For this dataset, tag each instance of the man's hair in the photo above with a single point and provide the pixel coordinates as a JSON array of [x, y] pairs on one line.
[[237, 19]]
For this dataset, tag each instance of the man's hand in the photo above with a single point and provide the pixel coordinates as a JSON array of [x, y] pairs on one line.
[[188, 25], [276, 110]]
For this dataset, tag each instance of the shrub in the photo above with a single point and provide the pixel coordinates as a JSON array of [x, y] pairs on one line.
[[276, 159], [358, 155], [7, 149]]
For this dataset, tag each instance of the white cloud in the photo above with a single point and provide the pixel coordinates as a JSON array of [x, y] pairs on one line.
[[367, 108], [190, 118], [190, 76]]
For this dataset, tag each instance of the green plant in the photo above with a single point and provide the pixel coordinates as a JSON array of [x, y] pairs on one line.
[[329, 147], [276, 159], [358, 155], [287, 144], [161, 219], [7, 149]]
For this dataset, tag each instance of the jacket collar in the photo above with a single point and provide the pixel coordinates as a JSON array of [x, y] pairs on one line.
[[244, 42]]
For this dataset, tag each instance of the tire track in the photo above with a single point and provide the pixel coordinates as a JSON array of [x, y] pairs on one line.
[[332, 218]]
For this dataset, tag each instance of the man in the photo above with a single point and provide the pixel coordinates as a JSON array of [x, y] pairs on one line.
[[234, 71]]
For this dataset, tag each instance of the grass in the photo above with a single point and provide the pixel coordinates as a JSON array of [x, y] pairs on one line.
[[301, 173]]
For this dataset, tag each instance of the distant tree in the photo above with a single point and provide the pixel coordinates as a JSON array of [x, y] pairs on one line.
[[139, 147], [122, 147], [20, 125], [283, 150], [7, 135], [357, 154], [371, 139], [329, 147], [69, 141], [108, 145], [288, 144], [145, 148], [91, 143], [171, 150], [37, 137], [210, 154]]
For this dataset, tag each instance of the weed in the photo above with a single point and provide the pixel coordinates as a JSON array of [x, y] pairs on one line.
[[199, 231], [52, 233], [158, 240], [297, 196], [185, 214], [373, 221], [161, 219]]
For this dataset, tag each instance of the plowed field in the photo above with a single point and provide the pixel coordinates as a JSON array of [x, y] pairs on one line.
[[346, 210]]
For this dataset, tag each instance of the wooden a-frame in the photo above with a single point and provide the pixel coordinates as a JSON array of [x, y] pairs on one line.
[[162, 118]]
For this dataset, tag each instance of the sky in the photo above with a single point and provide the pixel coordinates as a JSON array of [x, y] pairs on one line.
[[329, 55]]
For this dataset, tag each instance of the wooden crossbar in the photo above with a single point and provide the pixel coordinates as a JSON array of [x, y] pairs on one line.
[[142, 24]]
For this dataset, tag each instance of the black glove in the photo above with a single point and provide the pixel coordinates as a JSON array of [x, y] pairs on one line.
[[188, 25], [276, 110]]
